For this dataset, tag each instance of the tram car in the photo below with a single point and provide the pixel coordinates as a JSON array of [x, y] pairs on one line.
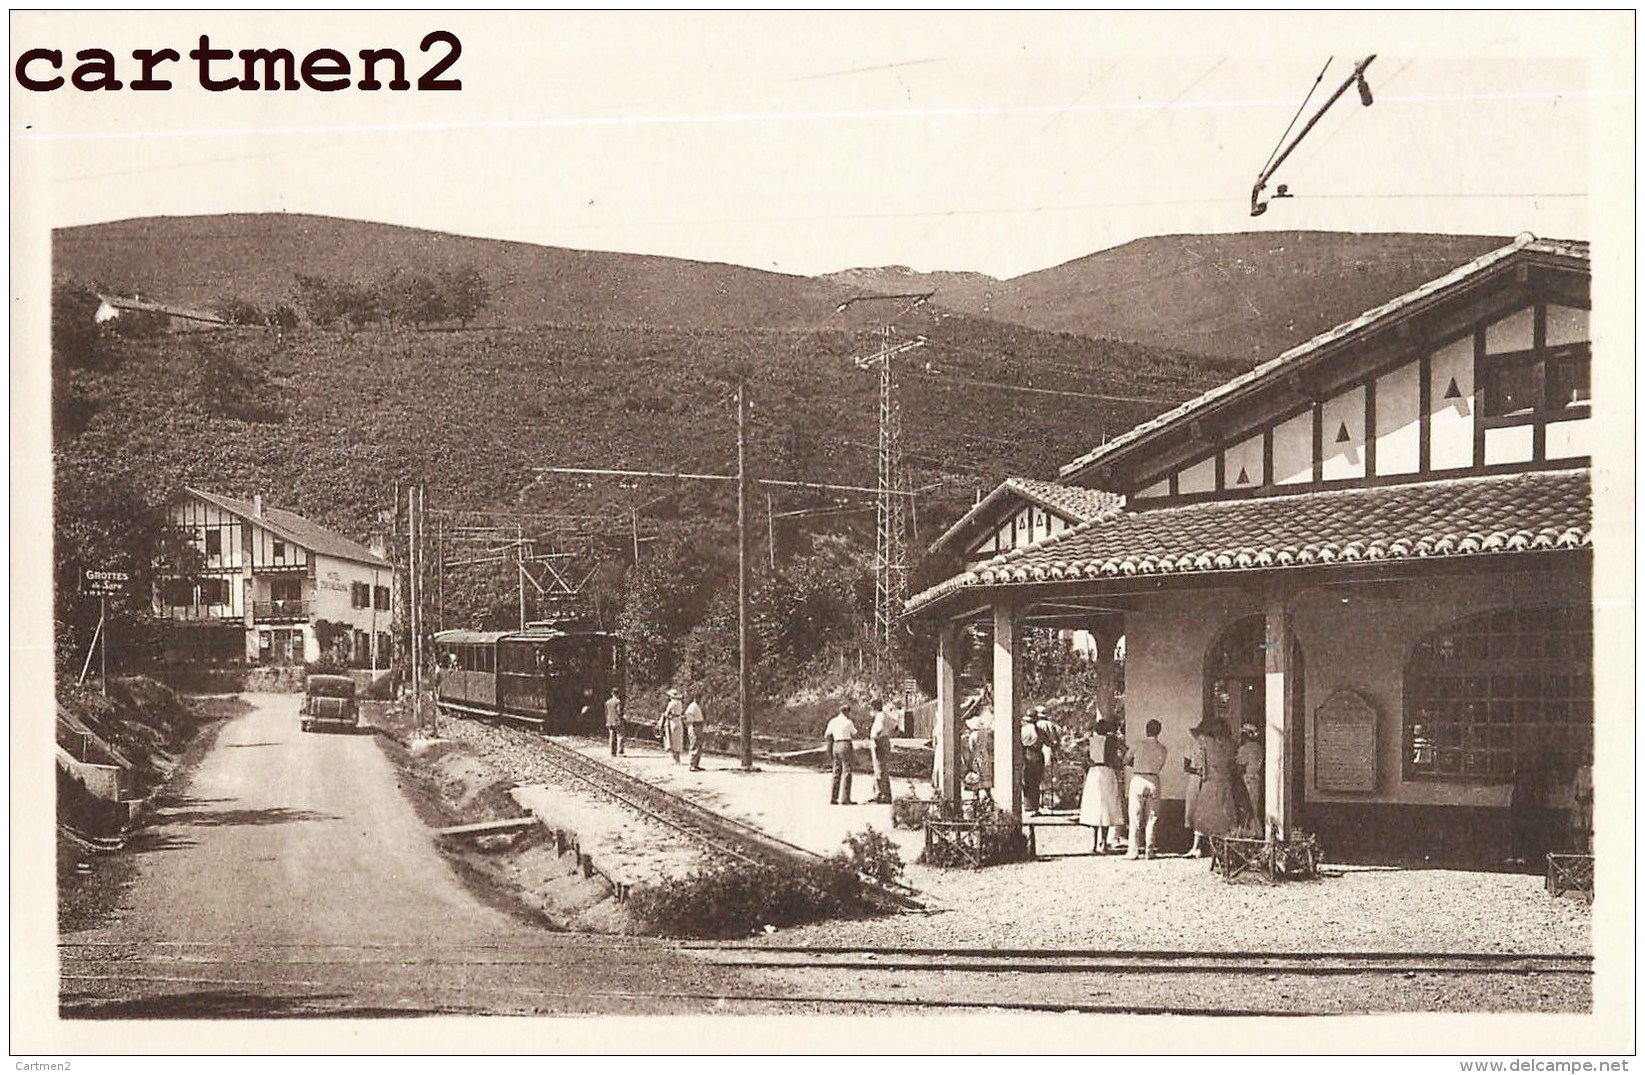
[[553, 676]]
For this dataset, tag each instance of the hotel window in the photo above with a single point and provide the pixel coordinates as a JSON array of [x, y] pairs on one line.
[[279, 550], [214, 591], [214, 544], [382, 598], [1501, 693]]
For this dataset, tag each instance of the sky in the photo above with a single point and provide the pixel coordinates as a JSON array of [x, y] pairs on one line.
[[811, 142]]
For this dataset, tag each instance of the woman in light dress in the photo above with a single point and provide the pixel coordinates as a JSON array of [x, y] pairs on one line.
[[1101, 805]]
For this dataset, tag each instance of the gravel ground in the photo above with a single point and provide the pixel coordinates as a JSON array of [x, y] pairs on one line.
[[1177, 904], [1077, 900]]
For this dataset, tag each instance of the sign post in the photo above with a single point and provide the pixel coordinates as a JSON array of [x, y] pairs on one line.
[[104, 584]]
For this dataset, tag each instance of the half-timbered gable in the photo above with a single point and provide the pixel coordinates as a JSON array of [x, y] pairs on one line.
[[1021, 512], [1484, 370]]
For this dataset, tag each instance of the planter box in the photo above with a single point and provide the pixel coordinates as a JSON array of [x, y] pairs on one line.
[[1570, 872], [1275, 860]]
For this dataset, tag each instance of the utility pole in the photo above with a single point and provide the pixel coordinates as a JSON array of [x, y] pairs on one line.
[[411, 580], [745, 719]]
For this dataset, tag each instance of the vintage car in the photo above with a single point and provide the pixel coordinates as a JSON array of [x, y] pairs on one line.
[[329, 701]]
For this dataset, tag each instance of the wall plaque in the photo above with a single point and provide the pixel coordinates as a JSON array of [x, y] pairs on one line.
[[1345, 743]]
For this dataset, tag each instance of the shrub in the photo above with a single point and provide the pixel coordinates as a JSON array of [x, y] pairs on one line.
[[874, 855], [735, 899]]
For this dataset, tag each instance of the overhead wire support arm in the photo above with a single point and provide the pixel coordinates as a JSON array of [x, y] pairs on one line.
[[1259, 204]]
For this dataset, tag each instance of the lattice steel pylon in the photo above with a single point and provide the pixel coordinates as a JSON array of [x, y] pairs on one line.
[[891, 518]]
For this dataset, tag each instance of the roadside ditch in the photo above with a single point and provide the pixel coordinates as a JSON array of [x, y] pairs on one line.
[[522, 872]]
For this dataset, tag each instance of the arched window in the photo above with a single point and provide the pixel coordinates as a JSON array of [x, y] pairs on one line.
[[1235, 674], [1499, 693]]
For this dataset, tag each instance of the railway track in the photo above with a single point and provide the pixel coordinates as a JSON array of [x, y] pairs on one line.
[[538, 976], [713, 831], [1095, 961]]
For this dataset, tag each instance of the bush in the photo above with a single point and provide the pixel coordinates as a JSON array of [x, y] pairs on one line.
[[874, 855], [735, 899]]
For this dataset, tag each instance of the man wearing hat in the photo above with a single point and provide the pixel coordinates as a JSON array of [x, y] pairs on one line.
[[1251, 758], [671, 725], [1038, 735]]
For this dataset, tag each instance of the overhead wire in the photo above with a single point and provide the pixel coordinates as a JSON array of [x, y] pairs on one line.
[[1289, 126]]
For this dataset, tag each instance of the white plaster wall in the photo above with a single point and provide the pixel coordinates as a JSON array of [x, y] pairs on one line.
[[1159, 488], [1165, 645], [1360, 638], [1344, 459], [1513, 333], [1566, 324], [333, 592], [1399, 428], [1566, 440], [1451, 421], [1509, 444], [1247, 456], [1294, 450], [262, 550], [1355, 637], [1199, 478]]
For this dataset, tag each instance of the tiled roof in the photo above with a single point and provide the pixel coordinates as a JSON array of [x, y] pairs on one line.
[[119, 302], [1076, 504], [1454, 517], [1453, 279], [295, 528]]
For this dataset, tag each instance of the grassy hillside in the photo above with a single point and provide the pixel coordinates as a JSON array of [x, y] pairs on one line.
[[325, 423], [1244, 296], [199, 260]]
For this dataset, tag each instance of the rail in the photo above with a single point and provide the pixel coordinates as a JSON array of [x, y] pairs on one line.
[[294, 609]]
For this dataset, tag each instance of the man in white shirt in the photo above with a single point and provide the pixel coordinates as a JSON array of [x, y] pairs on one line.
[[694, 720], [880, 736], [1147, 761], [837, 740]]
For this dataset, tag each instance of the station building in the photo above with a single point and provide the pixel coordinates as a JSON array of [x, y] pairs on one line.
[[271, 584], [1375, 546]]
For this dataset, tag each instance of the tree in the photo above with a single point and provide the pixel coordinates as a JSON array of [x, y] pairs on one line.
[[76, 339], [667, 597], [239, 311], [466, 293], [413, 299], [104, 521]]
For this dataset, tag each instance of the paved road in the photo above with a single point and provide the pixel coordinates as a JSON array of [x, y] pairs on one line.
[[288, 875]]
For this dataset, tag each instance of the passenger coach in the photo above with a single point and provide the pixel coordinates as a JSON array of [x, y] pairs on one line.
[[551, 675]]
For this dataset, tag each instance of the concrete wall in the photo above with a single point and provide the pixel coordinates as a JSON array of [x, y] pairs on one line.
[[104, 781]]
